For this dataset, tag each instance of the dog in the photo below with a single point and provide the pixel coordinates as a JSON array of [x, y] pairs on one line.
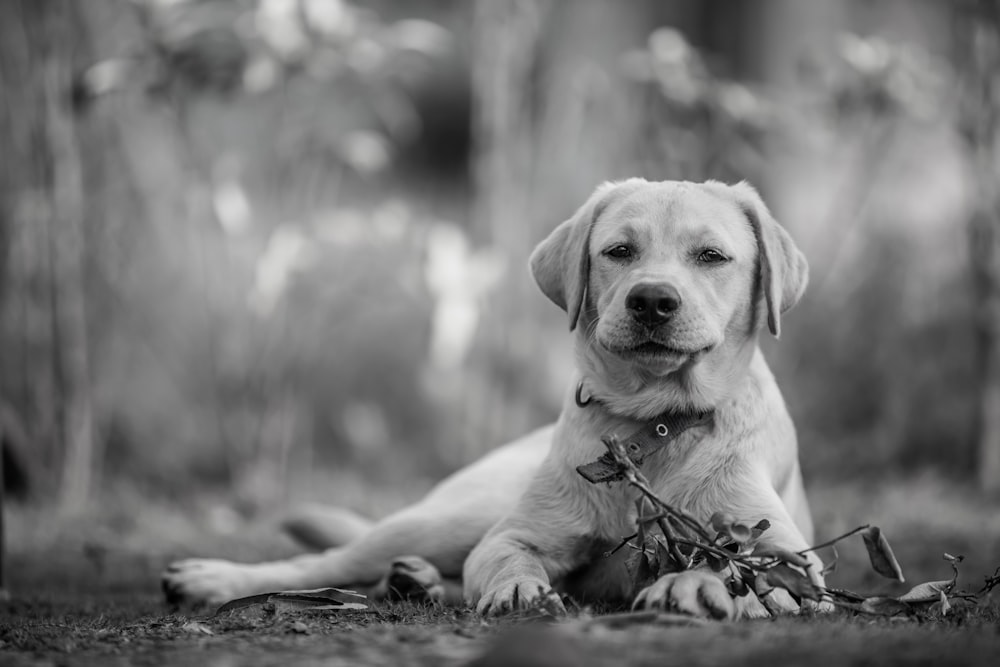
[[667, 286]]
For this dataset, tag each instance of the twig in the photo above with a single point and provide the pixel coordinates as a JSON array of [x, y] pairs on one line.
[[608, 554], [830, 543], [636, 479], [728, 555], [991, 582], [681, 529], [672, 547]]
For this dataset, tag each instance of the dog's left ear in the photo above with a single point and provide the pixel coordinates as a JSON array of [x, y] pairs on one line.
[[784, 271], [561, 263]]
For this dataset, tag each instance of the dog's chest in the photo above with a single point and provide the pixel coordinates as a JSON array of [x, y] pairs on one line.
[[686, 472], [671, 475]]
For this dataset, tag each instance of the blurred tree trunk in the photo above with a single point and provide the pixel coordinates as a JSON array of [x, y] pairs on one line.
[[44, 206], [69, 304], [978, 36], [505, 40], [505, 43]]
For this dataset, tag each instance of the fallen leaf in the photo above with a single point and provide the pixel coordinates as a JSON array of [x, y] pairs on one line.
[[293, 605], [664, 562], [716, 564], [942, 606], [644, 574], [740, 532], [930, 591], [240, 603], [880, 554], [846, 595], [329, 594], [319, 599], [793, 581]]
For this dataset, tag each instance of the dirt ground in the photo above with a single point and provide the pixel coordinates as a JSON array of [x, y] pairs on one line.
[[86, 592]]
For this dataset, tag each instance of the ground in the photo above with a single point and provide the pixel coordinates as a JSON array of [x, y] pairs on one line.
[[85, 591]]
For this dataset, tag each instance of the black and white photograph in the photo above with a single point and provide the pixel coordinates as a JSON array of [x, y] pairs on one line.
[[476, 333]]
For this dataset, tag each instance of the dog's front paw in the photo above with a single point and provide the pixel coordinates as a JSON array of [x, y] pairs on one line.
[[520, 594], [206, 581], [413, 578], [695, 593]]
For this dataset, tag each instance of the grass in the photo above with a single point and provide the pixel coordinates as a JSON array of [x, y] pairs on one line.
[[86, 592]]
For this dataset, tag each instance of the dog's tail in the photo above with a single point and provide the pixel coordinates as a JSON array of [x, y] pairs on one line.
[[318, 527]]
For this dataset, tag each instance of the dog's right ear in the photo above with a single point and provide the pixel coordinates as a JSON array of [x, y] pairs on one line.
[[561, 263]]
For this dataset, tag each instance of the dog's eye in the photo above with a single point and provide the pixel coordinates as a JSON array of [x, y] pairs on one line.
[[712, 256], [619, 252]]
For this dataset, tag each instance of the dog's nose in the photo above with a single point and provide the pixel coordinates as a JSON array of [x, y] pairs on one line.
[[652, 303]]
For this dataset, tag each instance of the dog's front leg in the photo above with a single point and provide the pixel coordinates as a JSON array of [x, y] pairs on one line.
[[507, 572], [698, 592], [547, 535]]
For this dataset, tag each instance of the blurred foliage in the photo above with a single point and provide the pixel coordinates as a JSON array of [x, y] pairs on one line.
[[276, 285], [697, 124]]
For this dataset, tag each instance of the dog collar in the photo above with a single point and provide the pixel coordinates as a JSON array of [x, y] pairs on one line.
[[647, 439]]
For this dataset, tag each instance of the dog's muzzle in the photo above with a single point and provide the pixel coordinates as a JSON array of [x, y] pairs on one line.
[[652, 304]]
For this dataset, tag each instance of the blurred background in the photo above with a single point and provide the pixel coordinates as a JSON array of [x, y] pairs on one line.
[[257, 252]]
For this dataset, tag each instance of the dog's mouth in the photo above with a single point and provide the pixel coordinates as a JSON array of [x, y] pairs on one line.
[[653, 350], [659, 350]]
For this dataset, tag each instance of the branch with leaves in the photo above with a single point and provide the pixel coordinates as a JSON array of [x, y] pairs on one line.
[[669, 539]]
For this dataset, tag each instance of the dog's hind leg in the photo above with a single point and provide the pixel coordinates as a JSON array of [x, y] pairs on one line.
[[442, 539], [441, 530], [413, 578], [319, 527]]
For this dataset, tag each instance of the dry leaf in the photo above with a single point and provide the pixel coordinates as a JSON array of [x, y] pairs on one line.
[[320, 599], [930, 591], [942, 606], [740, 532], [880, 553], [793, 581]]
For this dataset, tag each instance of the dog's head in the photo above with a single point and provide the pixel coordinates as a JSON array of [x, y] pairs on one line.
[[668, 284]]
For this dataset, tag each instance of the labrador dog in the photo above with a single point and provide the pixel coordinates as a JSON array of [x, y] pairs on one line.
[[666, 286]]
